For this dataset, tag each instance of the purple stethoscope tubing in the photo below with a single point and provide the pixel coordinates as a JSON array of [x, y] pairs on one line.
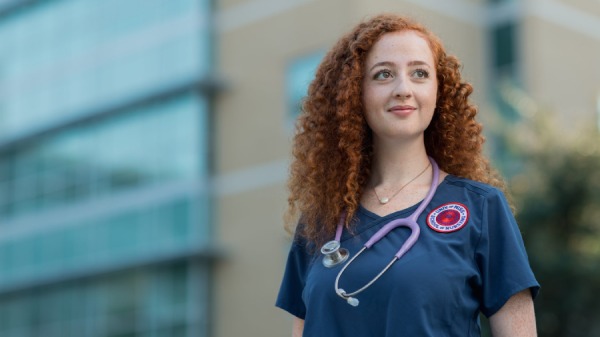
[[410, 222]]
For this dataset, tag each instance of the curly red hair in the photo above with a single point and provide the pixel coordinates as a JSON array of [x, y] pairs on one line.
[[333, 145]]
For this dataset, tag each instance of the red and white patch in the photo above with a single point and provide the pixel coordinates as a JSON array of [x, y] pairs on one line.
[[448, 218]]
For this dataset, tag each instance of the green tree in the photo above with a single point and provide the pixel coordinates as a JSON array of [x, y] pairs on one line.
[[557, 195]]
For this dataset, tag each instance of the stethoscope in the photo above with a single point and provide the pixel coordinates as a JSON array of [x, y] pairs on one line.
[[334, 254]]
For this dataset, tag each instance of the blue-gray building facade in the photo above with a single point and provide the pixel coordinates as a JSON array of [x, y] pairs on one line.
[[105, 222]]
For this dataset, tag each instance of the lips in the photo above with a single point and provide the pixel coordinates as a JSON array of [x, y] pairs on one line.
[[402, 109]]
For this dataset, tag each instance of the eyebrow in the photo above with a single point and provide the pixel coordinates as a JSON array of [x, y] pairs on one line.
[[410, 64]]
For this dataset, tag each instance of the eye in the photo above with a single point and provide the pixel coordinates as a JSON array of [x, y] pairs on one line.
[[383, 75], [421, 73]]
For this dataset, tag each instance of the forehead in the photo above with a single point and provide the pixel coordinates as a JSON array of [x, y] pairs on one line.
[[399, 47]]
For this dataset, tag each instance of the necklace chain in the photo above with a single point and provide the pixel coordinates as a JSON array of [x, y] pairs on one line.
[[385, 200]]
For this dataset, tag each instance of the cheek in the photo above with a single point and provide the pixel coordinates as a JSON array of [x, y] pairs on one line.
[[430, 97], [370, 113], [373, 98], [367, 97]]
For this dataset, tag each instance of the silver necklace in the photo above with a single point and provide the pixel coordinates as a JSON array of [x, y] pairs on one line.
[[385, 200]]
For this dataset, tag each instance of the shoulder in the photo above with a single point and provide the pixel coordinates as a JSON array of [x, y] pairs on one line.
[[477, 195], [301, 244], [473, 187]]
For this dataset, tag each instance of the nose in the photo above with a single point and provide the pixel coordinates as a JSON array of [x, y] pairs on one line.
[[402, 88]]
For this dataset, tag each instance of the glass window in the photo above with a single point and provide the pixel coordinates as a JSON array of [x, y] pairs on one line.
[[149, 301], [67, 58], [504, 47], [64, 60], [153, 231], [8, 258], [4, 4], [133, 150], [505, 74], [300, 72]]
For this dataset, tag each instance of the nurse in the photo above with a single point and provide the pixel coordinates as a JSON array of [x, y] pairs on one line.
[[386, 99]]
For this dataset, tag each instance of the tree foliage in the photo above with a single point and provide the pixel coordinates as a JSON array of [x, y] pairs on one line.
[[557, 194]]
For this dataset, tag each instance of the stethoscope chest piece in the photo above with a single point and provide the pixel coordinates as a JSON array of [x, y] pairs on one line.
[[333, 254]]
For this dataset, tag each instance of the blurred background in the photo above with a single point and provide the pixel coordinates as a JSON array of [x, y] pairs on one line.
[[144, 147]]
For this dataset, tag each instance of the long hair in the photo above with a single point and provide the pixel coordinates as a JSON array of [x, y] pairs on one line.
[[332, 150]]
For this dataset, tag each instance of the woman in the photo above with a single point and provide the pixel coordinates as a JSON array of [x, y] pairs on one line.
[[386, 109]]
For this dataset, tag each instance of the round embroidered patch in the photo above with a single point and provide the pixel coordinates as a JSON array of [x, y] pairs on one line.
[[448, 218]]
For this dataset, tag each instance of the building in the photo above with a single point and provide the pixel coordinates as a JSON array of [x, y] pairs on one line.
[[547, 51], [144, 145], [105, 203]]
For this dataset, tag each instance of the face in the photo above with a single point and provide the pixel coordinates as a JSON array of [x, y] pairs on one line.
[[399, 87]]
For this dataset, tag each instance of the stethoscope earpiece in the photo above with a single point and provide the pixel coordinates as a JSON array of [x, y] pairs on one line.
[[351, 300], [333, 254]]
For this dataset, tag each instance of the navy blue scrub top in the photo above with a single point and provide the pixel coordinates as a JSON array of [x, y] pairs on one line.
[[469, 258]]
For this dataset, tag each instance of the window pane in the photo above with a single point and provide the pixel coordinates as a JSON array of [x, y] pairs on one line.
[[149, 301], [504, 41], [67, 58], [133, 150], [300, 72]]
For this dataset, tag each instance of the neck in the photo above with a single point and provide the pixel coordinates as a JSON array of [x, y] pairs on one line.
[[396, 163]]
